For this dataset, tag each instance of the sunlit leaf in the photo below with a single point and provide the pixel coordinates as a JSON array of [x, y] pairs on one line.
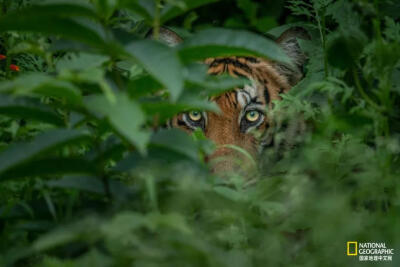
[[51, 20], [90, 184], [30, 109], [185, 146], [218, 42], [125, 115], [19, 153], [161, 62], [172, 11]]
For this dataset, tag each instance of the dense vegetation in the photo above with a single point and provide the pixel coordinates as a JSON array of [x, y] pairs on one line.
[[86, 180]]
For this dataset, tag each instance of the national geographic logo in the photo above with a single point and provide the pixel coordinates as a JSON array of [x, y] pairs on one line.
[[370, 251]]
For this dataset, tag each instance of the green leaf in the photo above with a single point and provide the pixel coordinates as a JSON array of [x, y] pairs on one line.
[[29, 109], [165, 110], [217, 42], [81, 61], [125, 115], [86, 228], [123, 223], [59, 8], [161, 61], [244, 152], [168, 139], [172, 11], [43, 85], [41, 20], [143, 8], [142, 86], [61, 89], [173, 221], [19, 153], [90, 184], [230, 193], [25, 81], [49, 166], [209, 84], [105, 8]]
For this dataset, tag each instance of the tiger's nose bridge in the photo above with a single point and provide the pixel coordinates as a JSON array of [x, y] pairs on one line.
[[227, 156], [224, 159], [222, 129]]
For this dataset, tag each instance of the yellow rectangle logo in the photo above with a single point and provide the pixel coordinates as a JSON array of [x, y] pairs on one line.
[[350, 250]]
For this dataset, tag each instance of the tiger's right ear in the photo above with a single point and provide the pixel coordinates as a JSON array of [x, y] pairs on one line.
[[166, 36], [288, 42]]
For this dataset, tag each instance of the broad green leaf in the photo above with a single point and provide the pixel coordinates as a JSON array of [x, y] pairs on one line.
[[105, 8], [25, 82], [43, 85], [125, 115], [123, 223], [95, 75], [81, 61], [168, 139], [157, 158], [231, 194], [218, 42], [34, 21], [86, 228], [60, 89], [161, 62], [142, 86], [165, 110], [90, 184], [244, 152], [196, 75], [173, 221], [19, 153], [193, 102], [30, 109], [54, 238], [172, 11], [59, 8], [49, 166], [143, 8]]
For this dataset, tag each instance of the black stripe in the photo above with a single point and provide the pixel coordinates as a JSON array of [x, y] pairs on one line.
[[239, 74], [254, 100], [181, 123], [252, 59], [229, 61], [266, 95]]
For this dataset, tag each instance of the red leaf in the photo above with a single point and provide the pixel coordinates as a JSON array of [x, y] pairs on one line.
[[14, 67]]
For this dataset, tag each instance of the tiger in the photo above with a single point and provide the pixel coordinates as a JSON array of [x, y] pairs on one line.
[[242, 119]]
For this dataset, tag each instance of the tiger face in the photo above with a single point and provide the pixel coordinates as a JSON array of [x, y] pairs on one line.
[[242, 119]]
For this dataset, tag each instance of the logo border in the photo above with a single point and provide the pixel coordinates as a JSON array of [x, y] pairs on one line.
[[348, 248]]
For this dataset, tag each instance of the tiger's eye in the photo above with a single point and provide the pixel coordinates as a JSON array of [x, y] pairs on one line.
[[195, 115], [252, 115]]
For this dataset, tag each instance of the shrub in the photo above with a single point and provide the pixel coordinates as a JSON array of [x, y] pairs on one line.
[[86, 181]]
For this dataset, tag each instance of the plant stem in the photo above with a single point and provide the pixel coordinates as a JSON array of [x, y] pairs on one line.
[[362, 92], [321, 28], [156, 23]]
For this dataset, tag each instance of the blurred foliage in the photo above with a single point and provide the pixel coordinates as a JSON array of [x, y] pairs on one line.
[[86, 181]]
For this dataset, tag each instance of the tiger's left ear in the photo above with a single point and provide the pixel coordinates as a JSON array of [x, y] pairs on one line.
[[288, 42], [166, 36]]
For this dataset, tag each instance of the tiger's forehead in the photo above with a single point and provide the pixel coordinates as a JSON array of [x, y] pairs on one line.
[[265, 82], [249, 93], [240, 98]]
